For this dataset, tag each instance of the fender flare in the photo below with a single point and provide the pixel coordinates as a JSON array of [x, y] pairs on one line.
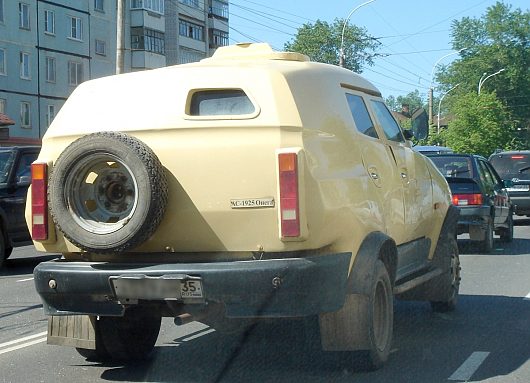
[[376, 246]]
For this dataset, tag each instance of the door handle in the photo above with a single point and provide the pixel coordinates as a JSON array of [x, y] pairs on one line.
[[404, 175], [375, 176]]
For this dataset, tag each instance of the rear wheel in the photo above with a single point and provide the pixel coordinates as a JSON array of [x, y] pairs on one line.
[[381, 318], [486, 245], [507, 232], [447, 285], [130, 337]]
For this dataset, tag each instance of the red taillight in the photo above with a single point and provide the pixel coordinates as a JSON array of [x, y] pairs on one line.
[[39, 201], [467, 199], [517, 157], [290, 219]]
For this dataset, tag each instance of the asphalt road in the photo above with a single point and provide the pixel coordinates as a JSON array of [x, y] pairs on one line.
[[485, 340]]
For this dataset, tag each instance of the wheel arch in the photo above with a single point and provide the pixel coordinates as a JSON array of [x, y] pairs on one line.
[[376, 246]]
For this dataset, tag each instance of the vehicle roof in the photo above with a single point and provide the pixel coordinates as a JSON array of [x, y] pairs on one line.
[[510, 152], [457, 155]]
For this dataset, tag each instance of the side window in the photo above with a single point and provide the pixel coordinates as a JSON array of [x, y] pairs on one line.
[[360, 114], [224, 102], [24, 165], [389, 125], [486, 176]]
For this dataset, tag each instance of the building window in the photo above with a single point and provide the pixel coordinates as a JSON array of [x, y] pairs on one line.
[[218, 38], [2, 102], [98, 5], [219, 9], [25, 114], [24, 66], [191, 30], [49, 22], [148, 40], [191, 3], [50, 69], [75, 73], [149, 5], [76, 31], [3, 69], [189, 56], [23, 15], [101, 48], [1, 11], [50, 115]]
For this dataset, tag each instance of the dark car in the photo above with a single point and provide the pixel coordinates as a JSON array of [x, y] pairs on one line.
[[15, 178], [481, 195], [514, 166]]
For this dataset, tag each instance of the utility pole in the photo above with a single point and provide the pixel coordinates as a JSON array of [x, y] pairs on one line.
[[120, 36]]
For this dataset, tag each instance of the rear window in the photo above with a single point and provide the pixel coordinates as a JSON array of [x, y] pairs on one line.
[[511, 165], [224, 102], [458, 167]]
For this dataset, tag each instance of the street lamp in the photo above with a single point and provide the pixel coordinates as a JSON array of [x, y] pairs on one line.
[[483, 80], [440, 106], [341, 53], [432, 80]]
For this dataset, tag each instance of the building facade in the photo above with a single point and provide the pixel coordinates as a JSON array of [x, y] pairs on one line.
[[48, 47]]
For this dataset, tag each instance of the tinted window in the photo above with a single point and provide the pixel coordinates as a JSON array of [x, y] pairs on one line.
[[220, 102], [24, 165], [510, 166], [389, 125], [362, 119]]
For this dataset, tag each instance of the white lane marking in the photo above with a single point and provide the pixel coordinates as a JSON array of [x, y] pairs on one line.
[[198, 335], [23, 342], [470, 366], [25, 280]]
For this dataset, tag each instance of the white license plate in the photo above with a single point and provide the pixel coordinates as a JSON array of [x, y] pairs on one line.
[[156, 288], [519, 188]]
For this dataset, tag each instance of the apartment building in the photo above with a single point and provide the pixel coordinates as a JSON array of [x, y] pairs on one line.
[[48, 47]]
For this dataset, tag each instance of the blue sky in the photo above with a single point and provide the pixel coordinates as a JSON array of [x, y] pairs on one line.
[[414, 34]]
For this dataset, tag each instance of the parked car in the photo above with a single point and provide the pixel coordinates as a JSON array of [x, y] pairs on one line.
[[15, 178], [481, 195], [514, 166], [264, 186]]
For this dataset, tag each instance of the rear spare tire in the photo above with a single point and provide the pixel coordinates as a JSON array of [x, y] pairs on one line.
[[107, 192]]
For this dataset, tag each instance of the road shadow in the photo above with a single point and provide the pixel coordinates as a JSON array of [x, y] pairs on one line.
[[21, 266], [518, 246], [427, 347]]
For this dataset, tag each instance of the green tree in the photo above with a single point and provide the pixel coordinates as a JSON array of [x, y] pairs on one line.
[[500, 39], [481, 124], [321, 42]]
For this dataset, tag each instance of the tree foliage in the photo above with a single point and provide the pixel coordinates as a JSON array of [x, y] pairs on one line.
[[481, 125], [321, 41], [498, 40]]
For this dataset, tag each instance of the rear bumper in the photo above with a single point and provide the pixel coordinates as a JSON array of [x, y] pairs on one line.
[[478, 216], [302, 286]]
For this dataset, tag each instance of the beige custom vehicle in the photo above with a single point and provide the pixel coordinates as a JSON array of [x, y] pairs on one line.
[[253, 184]]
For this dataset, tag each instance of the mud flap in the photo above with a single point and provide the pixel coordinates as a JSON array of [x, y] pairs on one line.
[[347, 328], [72, 330]]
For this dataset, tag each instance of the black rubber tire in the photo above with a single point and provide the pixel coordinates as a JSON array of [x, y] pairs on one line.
[[131, 337], [381, 318], [507, 233], [144, 202], [100, 354], [447, 285], [486, 245]]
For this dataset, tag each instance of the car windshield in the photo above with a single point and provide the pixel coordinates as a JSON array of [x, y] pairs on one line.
[[453, 166], [511, 165], [6, 160]]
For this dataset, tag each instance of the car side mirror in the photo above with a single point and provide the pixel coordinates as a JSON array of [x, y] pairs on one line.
[[408, 134], [420, 124]]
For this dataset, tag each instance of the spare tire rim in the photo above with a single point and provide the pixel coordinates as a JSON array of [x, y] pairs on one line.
[[100, 191]]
